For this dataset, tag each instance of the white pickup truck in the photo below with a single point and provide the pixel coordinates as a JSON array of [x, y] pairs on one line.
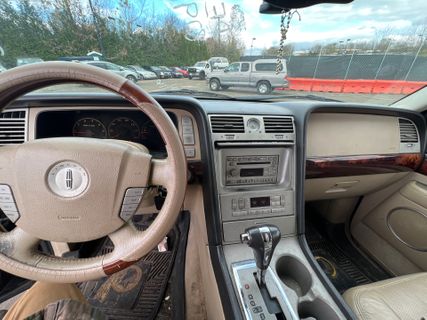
[[260, 74]]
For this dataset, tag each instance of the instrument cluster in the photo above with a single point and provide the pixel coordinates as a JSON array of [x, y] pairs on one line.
[[126, 125]]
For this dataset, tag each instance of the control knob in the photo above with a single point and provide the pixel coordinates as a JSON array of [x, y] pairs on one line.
[[234, 172]]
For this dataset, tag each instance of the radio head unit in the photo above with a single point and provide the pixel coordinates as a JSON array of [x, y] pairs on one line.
[[251, 169]]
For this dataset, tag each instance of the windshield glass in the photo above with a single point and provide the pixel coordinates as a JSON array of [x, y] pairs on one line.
[[365, 51]]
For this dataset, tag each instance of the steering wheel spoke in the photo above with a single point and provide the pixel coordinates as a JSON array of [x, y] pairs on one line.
[[18, 245], [161, 172]]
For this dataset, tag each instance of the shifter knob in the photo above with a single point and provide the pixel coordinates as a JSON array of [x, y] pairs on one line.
[[263, 240]]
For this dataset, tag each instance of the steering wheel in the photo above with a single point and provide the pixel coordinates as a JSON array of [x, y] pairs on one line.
[[81, 189]]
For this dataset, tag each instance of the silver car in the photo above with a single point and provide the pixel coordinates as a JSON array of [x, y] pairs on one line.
[[124, 72], [144, 74], [260, 74]]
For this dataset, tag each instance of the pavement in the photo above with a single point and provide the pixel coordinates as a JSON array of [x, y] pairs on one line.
[[202, 85]]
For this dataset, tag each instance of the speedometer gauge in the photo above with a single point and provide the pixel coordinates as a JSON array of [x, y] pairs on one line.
[[124, 129], [89, 128]]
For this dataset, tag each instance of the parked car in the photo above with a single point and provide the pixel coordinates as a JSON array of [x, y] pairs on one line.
[[27, 60], [161, 74], [260, 74], [79, 58], [2, 68], [215, 63], [143, 73], [198, 70], [122, 71], [175, 74], [182, 71]]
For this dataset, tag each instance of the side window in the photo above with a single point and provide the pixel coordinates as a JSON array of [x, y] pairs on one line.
[[234, 67], [267, 67], [245, 67]]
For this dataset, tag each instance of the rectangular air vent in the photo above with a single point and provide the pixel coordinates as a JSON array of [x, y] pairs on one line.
[[12, 127], [408, 131], [227, 124], [278, 125]]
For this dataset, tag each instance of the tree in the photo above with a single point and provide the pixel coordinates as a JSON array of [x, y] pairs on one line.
[[288, 50]]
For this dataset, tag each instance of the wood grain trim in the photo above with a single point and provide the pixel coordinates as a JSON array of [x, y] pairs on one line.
[[117, 266], [326, 167], [133, 93], [423, 168]]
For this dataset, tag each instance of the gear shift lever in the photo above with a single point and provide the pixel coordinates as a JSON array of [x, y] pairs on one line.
[[263, 240]]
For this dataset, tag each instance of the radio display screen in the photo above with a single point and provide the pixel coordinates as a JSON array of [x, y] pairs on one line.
[[251, 172], [260, 202]]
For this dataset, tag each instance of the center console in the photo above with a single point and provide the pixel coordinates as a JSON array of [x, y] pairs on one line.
[[254, 162]]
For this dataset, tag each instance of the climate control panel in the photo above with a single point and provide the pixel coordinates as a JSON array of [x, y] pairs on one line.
[[239, 206]]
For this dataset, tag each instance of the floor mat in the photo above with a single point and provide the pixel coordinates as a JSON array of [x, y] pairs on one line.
[[345, 266], [138, 291]]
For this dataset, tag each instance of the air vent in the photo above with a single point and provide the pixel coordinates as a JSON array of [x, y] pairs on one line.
[[12, 127], [227, 124], [408, 131], [279, 125]]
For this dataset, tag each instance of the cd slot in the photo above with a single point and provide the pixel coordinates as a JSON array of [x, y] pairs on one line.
[[251, 163]]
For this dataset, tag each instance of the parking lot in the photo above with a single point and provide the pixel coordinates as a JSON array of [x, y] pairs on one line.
[[201, 85]]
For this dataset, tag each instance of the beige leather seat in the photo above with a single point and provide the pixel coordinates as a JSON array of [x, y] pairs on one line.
[[403, 297]]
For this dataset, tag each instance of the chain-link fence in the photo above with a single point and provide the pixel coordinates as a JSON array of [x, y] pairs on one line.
[[359, 66]]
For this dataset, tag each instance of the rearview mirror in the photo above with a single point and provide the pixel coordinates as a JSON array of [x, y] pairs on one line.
[[276, 6]]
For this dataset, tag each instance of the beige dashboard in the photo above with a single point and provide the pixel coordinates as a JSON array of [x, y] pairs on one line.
[[345, 134], [349, 154]]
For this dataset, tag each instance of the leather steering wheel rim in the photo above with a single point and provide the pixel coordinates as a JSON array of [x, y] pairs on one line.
[[17, 248]]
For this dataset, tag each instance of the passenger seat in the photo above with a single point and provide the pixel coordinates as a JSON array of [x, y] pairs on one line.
[[403, 297]]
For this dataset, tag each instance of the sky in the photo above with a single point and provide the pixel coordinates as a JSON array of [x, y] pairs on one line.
[[325, 23], [320, 24]]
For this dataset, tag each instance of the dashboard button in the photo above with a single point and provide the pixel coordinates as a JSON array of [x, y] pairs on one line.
[[130, 207], [134, 192], [187, 130], [277, 210], [126, 215], [132, 200], [190, 152], [5, 198], [188, 139], [240, 213], [4, 188], [186, 120], [8, 206], [234, 204], [12, 215], [241, 203]]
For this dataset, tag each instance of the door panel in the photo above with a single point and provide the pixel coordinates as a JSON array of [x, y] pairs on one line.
[[231, 74], [391, 225]]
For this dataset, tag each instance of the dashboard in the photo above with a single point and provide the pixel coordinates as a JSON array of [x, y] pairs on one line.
[[256, 162], [128, 125]]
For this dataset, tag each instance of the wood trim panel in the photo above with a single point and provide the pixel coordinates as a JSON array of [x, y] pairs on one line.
[[423, 167], [325, 167]]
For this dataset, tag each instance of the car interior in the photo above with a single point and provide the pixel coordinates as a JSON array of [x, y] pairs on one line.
[[169, 206]]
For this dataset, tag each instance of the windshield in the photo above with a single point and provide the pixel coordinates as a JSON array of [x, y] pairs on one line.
[[365, 51]]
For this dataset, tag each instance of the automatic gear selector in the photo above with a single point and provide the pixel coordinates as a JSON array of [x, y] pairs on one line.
[[263, 240]]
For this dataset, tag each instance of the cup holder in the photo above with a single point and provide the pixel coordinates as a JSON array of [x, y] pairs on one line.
[[294, 274], [317, 309]]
